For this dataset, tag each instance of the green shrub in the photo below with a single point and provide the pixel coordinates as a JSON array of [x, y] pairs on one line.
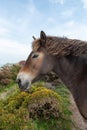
[[44, 104], [14, 71], [13, 116], [41, 109]]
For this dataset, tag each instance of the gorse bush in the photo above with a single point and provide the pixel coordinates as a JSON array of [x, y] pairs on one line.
[[13, 115], [15, 121], [44, 104], [41, 109]]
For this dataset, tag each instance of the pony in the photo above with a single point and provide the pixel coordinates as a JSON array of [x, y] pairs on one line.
[[66, 57]]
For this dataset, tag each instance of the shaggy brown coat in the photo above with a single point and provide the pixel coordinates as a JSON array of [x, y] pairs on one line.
[[58, 46]]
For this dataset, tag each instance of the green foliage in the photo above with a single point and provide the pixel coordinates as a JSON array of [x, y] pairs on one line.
[[13, 116], [5, 88], [14, 70], [66, 113], [46, 110], [18, 120]]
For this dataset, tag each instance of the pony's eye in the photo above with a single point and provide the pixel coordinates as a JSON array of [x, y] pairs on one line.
[[35, 55]]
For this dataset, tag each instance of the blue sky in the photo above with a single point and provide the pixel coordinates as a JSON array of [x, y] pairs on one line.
[[21, 19]]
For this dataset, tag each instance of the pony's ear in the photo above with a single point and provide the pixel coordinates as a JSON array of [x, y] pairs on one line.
[[43, 37], [34, 37]]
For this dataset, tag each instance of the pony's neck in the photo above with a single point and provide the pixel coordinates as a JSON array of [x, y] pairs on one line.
[[66, 68], [73, 72]]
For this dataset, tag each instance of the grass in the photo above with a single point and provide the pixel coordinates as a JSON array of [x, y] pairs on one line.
[[6, 88]]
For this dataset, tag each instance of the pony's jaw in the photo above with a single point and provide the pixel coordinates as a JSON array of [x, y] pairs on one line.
[[24, 81]]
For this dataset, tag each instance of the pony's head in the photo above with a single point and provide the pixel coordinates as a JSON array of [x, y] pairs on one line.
[[37, 64]]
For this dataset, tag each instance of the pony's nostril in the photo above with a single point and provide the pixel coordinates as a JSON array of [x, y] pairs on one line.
[[19, 82]]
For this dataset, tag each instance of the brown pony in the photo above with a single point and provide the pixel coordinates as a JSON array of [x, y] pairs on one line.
[[67, 57]]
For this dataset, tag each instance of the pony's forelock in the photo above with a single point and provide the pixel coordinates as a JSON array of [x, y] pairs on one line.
[[36, 44]]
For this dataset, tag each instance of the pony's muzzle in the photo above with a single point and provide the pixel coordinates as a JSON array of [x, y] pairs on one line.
[[24, 81], [23, 86]]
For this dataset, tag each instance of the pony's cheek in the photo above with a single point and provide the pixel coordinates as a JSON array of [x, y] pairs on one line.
[[38, 64]]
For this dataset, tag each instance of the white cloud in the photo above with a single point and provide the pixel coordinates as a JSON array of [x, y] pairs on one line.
[[12, 51], [84, 4], [68, 13], [51, 20], [69, 24], [57, 1], [4, 31], [21, 25], [75, 30], [70, 29]]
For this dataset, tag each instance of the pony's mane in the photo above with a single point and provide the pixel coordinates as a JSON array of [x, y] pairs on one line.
[[62, 46]]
